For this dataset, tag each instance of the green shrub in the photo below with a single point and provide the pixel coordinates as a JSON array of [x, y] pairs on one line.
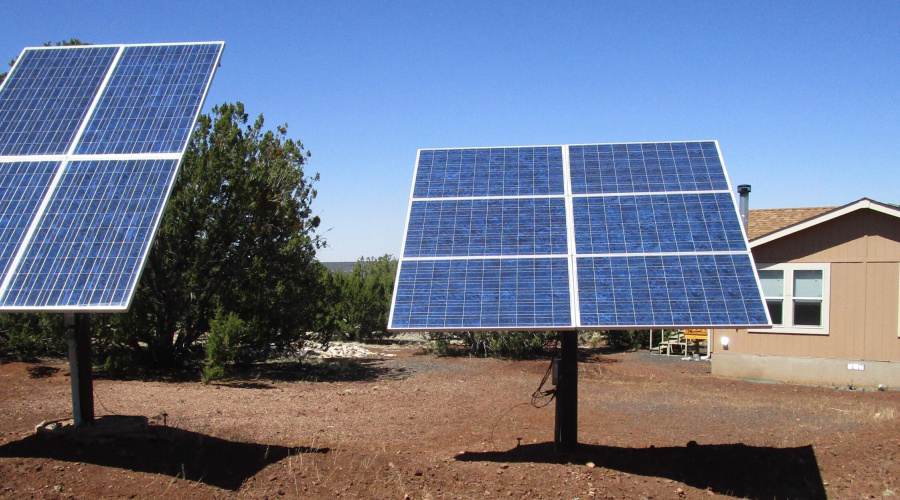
[[361, 299], [27, 337], [442, 343], [225, 345], [212, 372], [591, 338], [624, 340], [513, 345], [118, 363]]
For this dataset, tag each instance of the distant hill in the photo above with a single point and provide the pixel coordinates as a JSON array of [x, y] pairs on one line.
[[344, 267]]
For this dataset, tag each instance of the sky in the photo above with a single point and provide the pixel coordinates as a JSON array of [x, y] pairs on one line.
[[803, 97]]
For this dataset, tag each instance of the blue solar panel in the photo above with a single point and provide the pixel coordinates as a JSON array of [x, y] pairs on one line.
[[22, 186], [46, 97], [657, 223], [673, 290], [488, 227], [646, 235], [647, 167], [76, 231], [482, 293], [447, 173], [92, 239], [151, 101]]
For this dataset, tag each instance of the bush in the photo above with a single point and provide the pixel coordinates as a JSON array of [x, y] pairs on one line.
[[212, 372], [225, 345], [442, 343], [238, 234], [512, 345], [626, 340], [362, 298], [27, 337]]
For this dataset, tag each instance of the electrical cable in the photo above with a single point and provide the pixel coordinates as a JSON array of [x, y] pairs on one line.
[[494, 427], [97, 397], [538, 394], [536, 398]]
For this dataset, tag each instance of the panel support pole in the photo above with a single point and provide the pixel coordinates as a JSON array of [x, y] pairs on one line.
[[566, 434], [78, 331]]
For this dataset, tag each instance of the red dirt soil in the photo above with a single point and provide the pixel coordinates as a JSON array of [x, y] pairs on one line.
[[425, 427]]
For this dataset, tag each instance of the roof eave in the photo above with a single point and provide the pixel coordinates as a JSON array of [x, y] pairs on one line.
[[864, 203]]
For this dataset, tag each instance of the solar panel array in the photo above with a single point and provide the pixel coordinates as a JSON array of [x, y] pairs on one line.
[[91, 139], [578, 236]]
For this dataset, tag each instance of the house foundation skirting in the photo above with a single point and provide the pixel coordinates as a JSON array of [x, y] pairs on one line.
[[818, 371]]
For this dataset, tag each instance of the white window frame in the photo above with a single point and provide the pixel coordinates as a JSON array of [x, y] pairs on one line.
[[787, 308]]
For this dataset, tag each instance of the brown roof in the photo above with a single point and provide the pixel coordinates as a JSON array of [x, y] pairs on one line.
[[769, 220]]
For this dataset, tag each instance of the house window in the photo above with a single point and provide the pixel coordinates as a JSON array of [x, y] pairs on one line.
[[808, 297], [773, 288], [796, 296]]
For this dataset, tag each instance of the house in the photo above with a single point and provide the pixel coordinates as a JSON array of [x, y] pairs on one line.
[[831, 281]]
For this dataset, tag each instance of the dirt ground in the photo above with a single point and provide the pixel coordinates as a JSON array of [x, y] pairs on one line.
[[417, 426]]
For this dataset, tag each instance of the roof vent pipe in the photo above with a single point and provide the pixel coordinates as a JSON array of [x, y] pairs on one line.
[[744, 192]]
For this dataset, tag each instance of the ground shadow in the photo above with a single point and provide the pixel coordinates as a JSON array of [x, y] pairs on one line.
[[156, 450], [324, 370], [42, 371], [261, 375], [731, 469], [586, 352], [598, 355], [245, 384]]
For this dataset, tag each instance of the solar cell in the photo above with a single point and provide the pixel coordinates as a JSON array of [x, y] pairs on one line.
[[486, 227], [672, 290], [523, 171], [648, 167], [696, 222], [47, 95], [151, 101], [482, 293], [91, 240], [76, 231], [22, 186], [639, 235]]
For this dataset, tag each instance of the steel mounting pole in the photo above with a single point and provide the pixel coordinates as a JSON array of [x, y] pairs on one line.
[[566, 431], [78, 331]]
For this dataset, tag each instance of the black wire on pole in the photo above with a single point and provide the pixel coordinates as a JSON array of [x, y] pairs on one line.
[[539, 398], [546, 395]]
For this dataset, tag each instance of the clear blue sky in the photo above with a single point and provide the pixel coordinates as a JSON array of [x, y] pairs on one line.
[[803, 97]]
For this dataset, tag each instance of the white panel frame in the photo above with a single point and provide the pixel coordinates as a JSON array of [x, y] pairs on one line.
[[412, 190], [574, 307], [403, 259], [749, 251], [572, 256], [71, 156]]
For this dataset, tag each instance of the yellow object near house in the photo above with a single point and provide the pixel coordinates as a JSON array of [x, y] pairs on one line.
[[696, 334]]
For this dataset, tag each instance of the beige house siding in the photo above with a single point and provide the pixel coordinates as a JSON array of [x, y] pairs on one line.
[[863, 248], [884, 239], [882, 282], [847, 313]]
